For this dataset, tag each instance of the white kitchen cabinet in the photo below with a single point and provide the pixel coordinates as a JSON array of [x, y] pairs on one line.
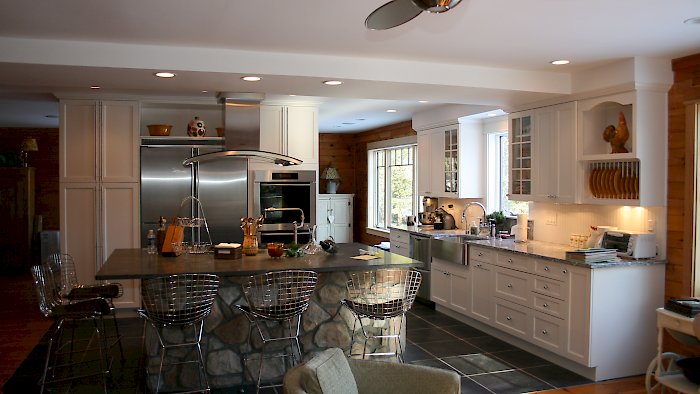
[[334, 212], [482, 307], [450, 161], [542, 146], [290, 130], [400, 242], [99, 185], [450, 285]]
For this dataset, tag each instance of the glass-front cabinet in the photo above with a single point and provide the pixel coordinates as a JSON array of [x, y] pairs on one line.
[[520, 155], [451, 164]]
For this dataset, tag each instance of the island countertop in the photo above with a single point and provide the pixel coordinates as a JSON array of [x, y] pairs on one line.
[[137, 264]]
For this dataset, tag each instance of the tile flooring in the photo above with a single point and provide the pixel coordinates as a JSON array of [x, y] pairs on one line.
[[486, 364]]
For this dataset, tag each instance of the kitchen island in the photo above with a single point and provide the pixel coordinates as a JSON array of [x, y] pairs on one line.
[[325, 324]]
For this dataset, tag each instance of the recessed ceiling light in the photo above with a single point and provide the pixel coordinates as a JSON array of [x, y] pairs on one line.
[[205, 91], [360, 119], [693, 21], [560, 62], [292, 95], [251, 78], [422, 101], [333, 83], [95, 87], [391, 110], [164, 74]]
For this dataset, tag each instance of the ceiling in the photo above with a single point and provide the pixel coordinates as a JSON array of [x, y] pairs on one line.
[[483, 54]]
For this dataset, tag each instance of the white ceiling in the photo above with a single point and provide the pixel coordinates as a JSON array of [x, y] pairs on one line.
[[485, 54]]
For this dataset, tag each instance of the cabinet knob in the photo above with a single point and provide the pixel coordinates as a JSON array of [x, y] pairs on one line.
[[510, 286], [510, 261], [546, 287], [480, 254], [545, 305], [478, 265], [564, 271], [509, 318], [446, 273], [544, 332], [546, 268]]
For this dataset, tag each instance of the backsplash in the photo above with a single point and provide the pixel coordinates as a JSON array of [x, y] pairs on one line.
[[556, 223]]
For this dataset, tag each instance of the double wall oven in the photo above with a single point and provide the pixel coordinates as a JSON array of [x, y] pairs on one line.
[[285, 189]]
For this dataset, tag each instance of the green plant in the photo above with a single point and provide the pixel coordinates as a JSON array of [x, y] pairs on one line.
[[498, 217]]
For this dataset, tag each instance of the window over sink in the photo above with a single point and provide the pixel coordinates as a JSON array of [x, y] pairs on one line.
[[497, 178]]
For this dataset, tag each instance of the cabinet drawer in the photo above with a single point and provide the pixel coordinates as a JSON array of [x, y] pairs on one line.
[[551, 306], [512, 318], [550, 269], [482, 254], [514, 261], [550, 287], [398, 236], [548, 332], [514, 286], [400, 248]]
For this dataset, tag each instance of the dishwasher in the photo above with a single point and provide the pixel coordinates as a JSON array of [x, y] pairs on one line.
[[420, 250]]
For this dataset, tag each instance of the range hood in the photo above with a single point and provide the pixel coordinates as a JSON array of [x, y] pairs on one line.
[[242, 126]]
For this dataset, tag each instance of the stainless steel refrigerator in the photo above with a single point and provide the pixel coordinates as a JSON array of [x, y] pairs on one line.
[[221, 187]]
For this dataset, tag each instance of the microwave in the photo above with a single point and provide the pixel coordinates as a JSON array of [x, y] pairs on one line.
[[630, 244]]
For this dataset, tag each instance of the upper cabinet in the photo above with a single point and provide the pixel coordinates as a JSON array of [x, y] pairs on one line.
[[450, 161], [542, 149], [291, 131], [622, 148], [98, 141]]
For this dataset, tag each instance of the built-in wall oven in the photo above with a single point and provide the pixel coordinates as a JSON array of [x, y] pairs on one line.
[[285, 189]]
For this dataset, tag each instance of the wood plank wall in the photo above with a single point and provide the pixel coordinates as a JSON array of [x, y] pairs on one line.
[[348, 152], [686, 87]]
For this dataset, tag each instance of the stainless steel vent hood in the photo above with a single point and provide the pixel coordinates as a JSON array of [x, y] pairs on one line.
[[242, 126]]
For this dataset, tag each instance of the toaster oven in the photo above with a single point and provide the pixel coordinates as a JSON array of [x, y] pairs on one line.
[[630, 244]]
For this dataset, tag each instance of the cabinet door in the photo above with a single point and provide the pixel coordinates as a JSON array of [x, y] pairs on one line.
[[439, 285], [553, 159], [302, 133], [119, 141], [520, 141], [425, 166], [460, 290], [78, 142], [482, 292], [439, 164], [341, 209], [79, 230], [271, 125], [119, 208], [566, 149]]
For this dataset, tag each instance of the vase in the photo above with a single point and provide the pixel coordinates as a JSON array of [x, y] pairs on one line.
[[250, 245], [196, 127]]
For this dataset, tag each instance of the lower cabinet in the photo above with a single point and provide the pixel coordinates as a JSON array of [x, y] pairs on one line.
[[450, 285], [400, 242]]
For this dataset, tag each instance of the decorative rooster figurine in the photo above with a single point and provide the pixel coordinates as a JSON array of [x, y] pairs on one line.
[[617, 136]]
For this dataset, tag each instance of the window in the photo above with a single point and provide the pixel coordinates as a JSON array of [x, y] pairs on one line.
[[391, 186], [497, 179]]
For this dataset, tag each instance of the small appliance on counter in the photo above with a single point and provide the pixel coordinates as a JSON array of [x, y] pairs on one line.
[[596, 236], [630, 244], [447, 220]]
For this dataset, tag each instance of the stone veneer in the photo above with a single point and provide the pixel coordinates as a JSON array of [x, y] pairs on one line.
[[325, 324]]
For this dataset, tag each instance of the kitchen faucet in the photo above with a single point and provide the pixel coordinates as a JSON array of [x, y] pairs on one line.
[[294, 223], [483, 208]]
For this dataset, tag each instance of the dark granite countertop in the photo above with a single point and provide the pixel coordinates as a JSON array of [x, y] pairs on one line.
[[137, 264]]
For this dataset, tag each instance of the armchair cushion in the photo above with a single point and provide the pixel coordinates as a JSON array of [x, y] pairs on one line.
[[327, 372]]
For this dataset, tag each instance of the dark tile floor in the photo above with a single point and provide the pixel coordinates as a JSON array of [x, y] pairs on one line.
[[486, 364]]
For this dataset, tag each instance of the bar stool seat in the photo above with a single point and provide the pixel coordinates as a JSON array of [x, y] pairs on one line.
[[381, 296], [281, 297], [62, 362], [183, 301]]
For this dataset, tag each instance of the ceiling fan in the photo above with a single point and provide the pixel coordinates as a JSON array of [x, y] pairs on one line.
[[398, 12]]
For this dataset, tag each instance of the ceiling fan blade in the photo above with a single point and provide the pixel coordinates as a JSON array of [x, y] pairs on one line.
[[392, 14]]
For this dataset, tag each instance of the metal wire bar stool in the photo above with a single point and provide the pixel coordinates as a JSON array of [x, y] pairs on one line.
[[381, 295], [182, 300], [65, 279], [60, 365], [280, 296]]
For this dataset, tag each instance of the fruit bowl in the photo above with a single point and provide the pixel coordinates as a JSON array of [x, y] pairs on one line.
[[160, 130]]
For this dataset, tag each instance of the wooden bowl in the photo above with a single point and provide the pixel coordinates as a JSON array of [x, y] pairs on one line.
[[159, 129]]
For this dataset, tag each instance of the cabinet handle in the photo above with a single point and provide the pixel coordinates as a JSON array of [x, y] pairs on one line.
[[544, 332], [545, 305], [546, 287], [508, 318], [446, 273], [546, 268], [510, 261], [564, 271], [510, 286]]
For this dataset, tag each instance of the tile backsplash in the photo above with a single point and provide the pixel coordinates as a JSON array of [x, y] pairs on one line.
[[556, 223]]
